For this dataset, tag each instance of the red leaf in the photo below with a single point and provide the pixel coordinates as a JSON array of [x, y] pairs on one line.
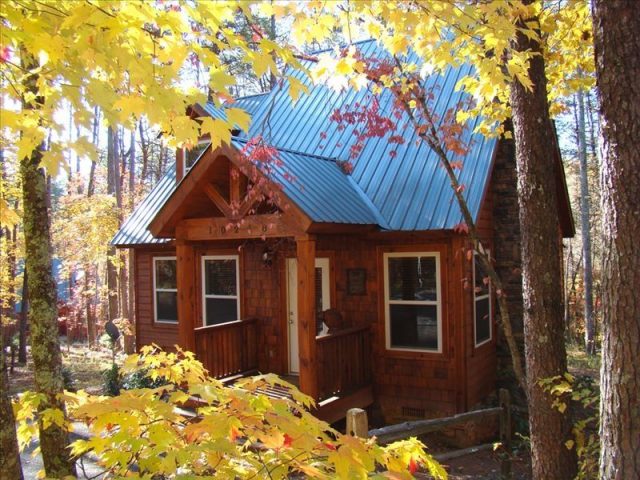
[[287, 441], [413, 466], [461, 228], [5, 54]]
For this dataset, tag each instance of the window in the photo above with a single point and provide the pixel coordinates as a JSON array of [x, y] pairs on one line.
[[165, 290], [220, 294], [412, 301], [192, 155], [482, 305]]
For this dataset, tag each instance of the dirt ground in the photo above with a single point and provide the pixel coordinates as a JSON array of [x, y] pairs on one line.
[[85, 366]]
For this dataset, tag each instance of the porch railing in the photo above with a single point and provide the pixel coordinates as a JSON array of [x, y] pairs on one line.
[[344, 361], [229, 348]]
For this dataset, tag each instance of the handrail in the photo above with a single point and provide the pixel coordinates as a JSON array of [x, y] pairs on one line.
[[403, 430], [228, 348], [222, 326], [343, 361], [342, 333]]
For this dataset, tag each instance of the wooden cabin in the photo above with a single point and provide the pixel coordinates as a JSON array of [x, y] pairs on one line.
[[355, 285]]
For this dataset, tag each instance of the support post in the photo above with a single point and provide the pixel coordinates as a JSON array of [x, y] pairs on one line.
[[306, 255], [357, 423], [505, 433], [186, 285]]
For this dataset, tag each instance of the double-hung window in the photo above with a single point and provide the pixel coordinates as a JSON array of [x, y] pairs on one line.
[[165, 291], [413, 301], [221, 289], [481, 305]]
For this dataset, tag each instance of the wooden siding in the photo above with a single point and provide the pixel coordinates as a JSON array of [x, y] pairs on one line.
[[147, 331]]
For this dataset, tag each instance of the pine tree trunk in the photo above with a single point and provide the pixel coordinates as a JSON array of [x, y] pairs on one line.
[[10, 466], [616, 27], [43, 315], [585, 228], [541, 268]]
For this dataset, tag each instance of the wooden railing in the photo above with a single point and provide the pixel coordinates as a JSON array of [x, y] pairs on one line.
[[229, 348], [358, 425], [344, 361]]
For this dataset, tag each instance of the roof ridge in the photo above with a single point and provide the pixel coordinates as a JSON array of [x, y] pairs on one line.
[[358, 42], [295, 152]]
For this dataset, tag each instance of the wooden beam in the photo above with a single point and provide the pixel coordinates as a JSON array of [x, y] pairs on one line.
[[234, 185], [186, 284], [218, 200], [306, 256], [256, 226]]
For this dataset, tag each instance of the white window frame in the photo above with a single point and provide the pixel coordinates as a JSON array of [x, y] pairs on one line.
[[156, 289], [388, 302], [228, 297], [475, 301]]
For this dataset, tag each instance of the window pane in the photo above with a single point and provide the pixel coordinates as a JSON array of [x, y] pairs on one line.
[[193, 154], [220, 277], [483, 320], [412, 278], [165, 274], [480, 287], [221, 310], [414, 326], [166, 306]]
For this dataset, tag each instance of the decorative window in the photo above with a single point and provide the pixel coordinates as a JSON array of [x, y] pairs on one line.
[[481, 305], [165, 291], [194, 153], [413, 301], [220, 289]]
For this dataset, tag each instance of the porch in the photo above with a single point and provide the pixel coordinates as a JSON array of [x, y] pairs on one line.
[[342, 369]]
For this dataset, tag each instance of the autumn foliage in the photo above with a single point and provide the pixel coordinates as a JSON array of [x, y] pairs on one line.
[[233, 432]]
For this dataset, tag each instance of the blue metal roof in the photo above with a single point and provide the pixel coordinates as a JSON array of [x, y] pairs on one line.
[[335, 199], [408, 191], [134, 231]]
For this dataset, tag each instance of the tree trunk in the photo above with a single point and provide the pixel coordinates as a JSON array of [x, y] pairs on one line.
[[585, 228], [45, 346], [10, 466], [545, 352], [113, 182], [91, 320], [144, 147], [45, 342], [616, 27], [22, 335], [95, 140]]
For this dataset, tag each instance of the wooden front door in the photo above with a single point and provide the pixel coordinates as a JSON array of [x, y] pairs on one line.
[[323, 302]]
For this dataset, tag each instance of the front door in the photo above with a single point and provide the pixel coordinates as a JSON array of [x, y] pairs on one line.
[[323, 302]]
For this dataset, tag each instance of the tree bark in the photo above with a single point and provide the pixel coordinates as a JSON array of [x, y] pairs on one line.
[[22, 335], [616, 27], [45, 343], [113, 183], [585, 229], [545, 352], [10, 466]]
